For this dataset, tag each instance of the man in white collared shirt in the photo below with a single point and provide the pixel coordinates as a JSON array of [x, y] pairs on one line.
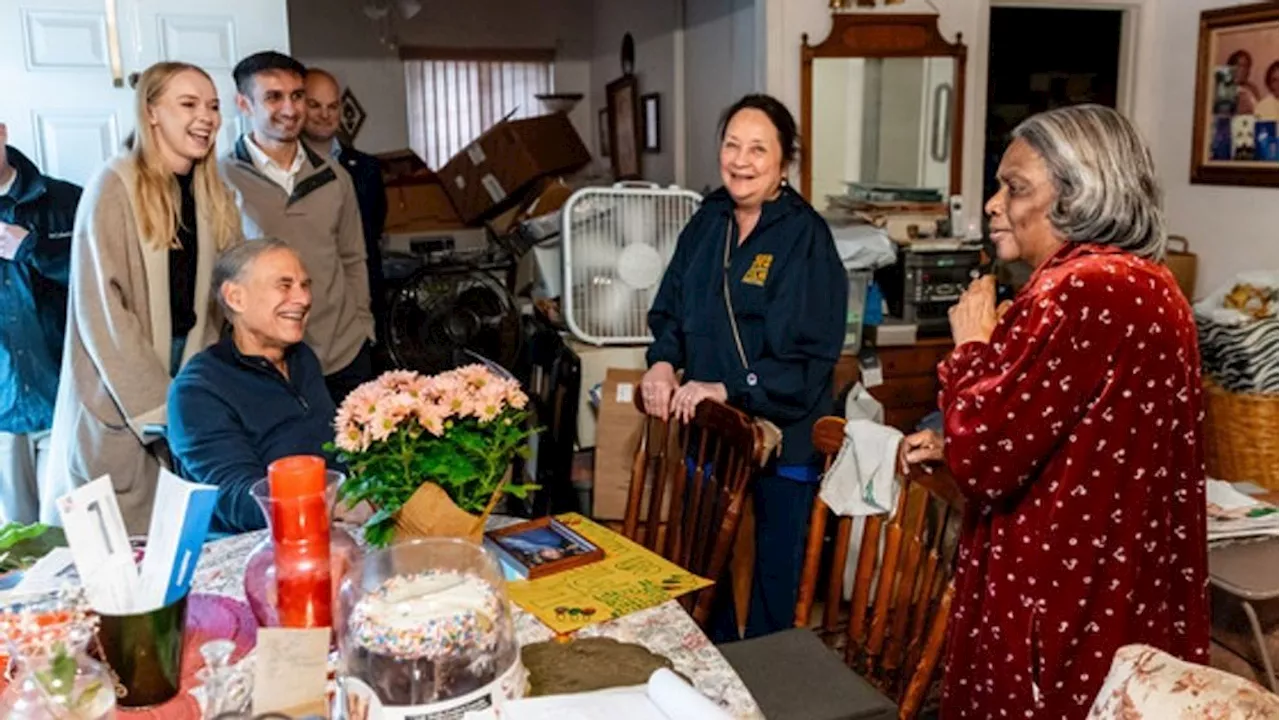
[[288, 191]]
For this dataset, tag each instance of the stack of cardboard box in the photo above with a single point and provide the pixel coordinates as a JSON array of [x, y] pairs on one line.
[[499, 178]]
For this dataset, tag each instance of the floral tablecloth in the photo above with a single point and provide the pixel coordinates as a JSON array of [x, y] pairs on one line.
[[667, 629]]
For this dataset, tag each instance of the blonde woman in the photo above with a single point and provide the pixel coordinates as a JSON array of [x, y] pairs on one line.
[[148, 230]]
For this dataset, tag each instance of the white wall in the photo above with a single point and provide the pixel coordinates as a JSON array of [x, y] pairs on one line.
[[336, 35], [651, 24], [720, 66], [1231, 228]]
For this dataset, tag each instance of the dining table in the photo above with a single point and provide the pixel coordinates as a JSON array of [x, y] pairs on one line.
[[666, 629]]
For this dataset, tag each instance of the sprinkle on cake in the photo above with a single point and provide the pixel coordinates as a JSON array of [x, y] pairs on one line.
[[428, 615]]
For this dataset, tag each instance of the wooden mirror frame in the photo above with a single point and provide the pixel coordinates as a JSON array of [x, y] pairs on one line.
[[878, 35]]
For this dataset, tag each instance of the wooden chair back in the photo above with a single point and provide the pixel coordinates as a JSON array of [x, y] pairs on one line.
[[893, 627], [688, 486]]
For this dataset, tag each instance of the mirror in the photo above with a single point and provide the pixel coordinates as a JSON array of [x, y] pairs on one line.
[[882, 121], [882, 104]]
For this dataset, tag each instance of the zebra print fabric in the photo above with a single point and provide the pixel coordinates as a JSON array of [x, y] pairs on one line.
[[1242, 357]]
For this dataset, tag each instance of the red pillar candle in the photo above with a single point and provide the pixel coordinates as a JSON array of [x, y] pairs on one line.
[[300, 532]]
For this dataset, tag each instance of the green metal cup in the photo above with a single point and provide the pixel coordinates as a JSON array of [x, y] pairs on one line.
[[144, 652]]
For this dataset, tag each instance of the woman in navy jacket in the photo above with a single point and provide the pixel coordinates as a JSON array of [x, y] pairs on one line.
[[759, 238]]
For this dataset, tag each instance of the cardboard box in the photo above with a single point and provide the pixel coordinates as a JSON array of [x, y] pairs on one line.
[[534, 218], [619, 430], [403, 166], [491, 173], [597, 363], [423, 205]]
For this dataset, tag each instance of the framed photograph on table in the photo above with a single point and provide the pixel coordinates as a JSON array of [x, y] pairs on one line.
[[649, 110], [1234, 133], [624, 128], [540, 547]]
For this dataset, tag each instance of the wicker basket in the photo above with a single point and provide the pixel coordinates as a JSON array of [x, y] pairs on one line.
[[1242, 436]]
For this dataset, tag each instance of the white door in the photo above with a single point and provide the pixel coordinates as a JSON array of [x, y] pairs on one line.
[[214, 34], [66, 66]]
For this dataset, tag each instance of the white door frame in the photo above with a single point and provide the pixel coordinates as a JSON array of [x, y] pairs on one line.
[[1135, 91]]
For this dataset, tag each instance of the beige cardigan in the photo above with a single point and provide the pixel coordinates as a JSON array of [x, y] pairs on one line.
[[115, 363]]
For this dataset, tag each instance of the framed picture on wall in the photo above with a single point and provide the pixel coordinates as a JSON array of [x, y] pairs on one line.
[[1234, 134], [624, 127]]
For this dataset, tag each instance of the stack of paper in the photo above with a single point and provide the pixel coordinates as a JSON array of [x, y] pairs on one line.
[[103, 555], [1232, 514], [664, 697]]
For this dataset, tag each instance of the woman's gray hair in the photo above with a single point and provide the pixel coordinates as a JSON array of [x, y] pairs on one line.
[[232, 263], [1105, 178]]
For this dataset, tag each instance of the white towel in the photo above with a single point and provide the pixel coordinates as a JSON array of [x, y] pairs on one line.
[[863, 479]]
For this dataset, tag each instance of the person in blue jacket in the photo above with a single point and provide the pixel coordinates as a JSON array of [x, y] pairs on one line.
[[258, 394], [37, 214], [760, 240]]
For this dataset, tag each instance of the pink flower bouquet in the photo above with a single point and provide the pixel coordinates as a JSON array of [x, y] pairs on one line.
[[459, 429]]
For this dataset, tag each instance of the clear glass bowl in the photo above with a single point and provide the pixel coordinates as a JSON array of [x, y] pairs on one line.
[[53, 675], [425, 626]]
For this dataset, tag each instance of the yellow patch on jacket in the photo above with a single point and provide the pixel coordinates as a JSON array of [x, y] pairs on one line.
[[759, 271]]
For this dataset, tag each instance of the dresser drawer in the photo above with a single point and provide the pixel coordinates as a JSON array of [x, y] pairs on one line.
[[907, 392], [909, 360]]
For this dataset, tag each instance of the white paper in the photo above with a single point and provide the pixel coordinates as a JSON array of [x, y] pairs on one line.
[[179, 524], [49, 574], [1249, 488], [1220, 493], [665, 697], [679, 700], [625, 394], [96, 536], [290, 668]]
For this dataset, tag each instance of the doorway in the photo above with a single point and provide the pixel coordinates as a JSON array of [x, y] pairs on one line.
[[1031, 70]]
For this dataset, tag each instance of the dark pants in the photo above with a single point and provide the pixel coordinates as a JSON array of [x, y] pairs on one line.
[[782, 508], [360, 371]]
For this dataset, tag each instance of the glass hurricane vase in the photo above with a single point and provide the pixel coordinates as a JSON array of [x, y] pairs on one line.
[[52, 674], [261, 578]]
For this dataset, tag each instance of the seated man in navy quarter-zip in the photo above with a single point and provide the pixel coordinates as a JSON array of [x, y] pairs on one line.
[[258, 394]]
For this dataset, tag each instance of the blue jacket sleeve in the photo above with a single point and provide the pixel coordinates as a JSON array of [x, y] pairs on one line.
[[211, 446], [804, 333], [51, 256], [666, 316]]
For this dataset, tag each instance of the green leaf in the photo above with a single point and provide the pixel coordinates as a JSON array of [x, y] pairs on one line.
[[23, 545]]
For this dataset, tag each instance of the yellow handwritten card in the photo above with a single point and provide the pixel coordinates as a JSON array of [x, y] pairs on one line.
[[629, 578]]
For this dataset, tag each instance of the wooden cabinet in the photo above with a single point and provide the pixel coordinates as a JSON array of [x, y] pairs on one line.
[[910, 388]]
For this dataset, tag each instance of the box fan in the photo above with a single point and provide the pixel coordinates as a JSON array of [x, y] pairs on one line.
[[615, 245]]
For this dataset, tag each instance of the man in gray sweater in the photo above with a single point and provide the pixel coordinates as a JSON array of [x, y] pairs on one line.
[[287, 191]]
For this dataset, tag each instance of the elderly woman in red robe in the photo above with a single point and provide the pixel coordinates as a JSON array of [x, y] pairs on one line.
[[1072, 421]]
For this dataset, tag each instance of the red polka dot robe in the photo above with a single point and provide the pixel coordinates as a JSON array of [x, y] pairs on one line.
[[1075, 434]]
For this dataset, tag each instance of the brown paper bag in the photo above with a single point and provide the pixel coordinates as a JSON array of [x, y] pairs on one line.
[[430, 512]]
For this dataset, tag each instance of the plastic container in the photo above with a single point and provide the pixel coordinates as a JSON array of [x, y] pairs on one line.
[[425, 629], [859, 280]]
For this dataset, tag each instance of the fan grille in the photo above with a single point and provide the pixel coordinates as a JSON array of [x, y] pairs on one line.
[[440, 316], [616, 244]]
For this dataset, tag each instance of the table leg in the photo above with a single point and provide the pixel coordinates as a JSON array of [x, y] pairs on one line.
[[1260, 639]]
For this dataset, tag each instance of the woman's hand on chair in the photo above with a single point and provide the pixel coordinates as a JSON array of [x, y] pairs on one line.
[[685, 402], [656, 388], [922, 447]]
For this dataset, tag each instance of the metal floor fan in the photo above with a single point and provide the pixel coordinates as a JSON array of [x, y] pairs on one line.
[[442, 318]]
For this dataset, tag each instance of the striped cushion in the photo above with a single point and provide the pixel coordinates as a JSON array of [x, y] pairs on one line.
[[1243, 357]]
